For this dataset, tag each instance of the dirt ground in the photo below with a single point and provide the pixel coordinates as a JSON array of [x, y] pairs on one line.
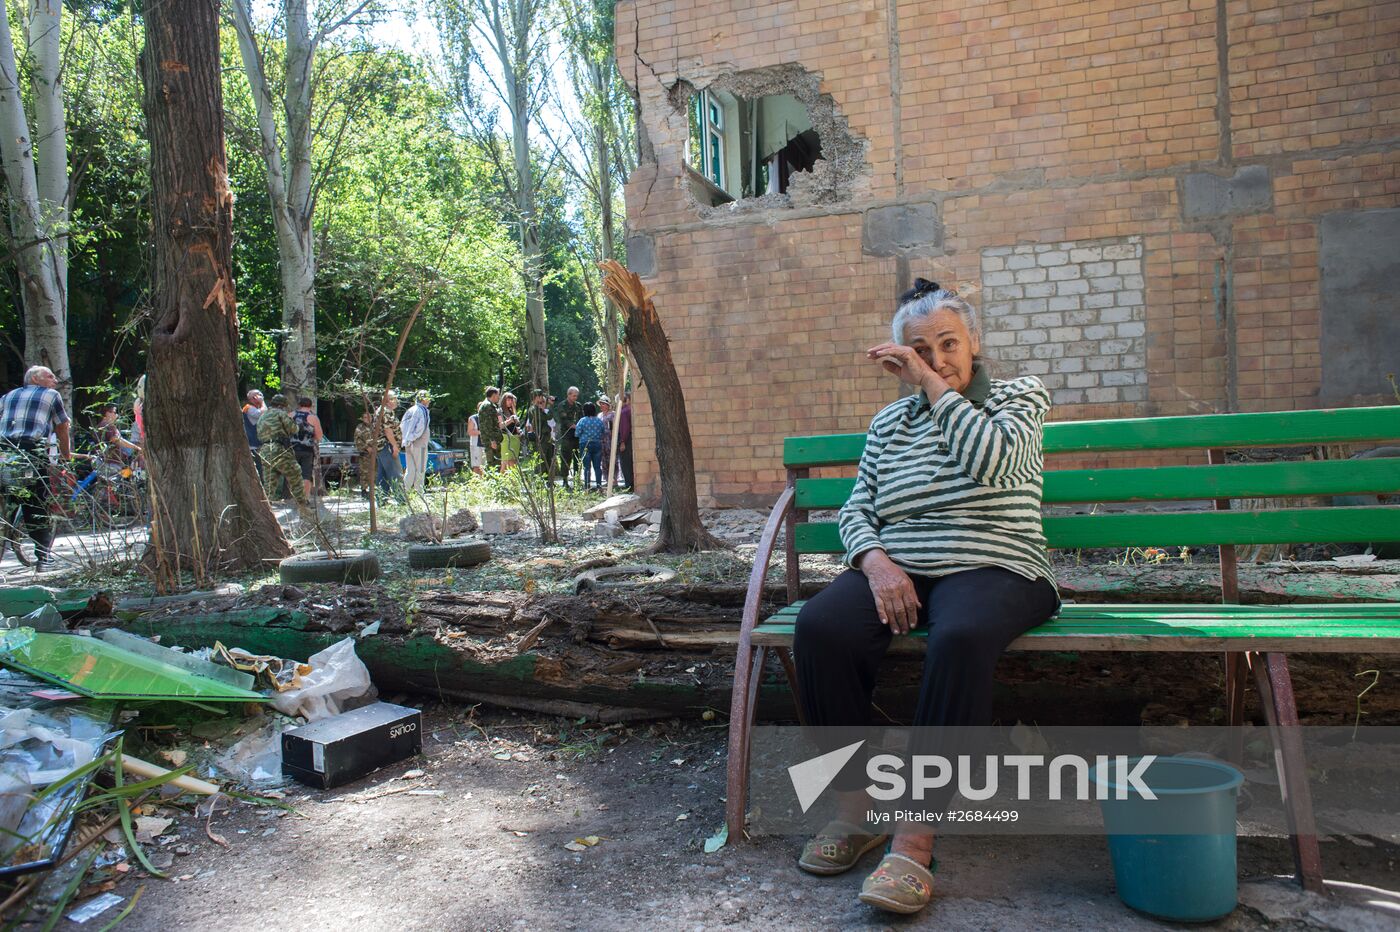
[[477, 842]]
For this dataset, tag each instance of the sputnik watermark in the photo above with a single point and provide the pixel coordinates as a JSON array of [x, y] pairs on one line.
[[929, 773]]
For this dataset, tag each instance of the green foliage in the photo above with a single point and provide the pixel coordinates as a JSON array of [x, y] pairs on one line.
[[408, 206]]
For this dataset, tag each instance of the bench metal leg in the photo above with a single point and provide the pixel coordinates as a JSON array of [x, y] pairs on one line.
[[1236, 677], [785, 655], [740, 738], [1276, 692]]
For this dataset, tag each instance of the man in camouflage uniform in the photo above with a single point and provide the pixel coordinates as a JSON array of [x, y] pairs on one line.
[[566, 415], [365, 448], [488, 422], [537, 418], [275, 432]]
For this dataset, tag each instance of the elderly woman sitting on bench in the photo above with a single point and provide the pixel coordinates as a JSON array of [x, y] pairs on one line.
[[942, 529]]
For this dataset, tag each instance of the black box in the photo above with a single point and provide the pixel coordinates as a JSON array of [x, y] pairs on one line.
[[348, 746]]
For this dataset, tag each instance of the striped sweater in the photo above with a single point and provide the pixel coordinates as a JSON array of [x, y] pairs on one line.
[[956, 484]]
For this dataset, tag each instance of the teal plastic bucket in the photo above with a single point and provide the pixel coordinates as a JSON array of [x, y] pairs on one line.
[[1174, 856]]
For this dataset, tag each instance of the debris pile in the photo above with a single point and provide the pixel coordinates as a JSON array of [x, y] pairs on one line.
[[79, 808]]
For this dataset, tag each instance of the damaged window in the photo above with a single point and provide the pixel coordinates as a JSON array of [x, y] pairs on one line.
[[747, 147]]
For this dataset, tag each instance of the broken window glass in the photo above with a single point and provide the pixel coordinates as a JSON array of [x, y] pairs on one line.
[[747, 147]]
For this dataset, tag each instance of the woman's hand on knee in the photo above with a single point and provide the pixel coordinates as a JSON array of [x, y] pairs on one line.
[[895, 599]]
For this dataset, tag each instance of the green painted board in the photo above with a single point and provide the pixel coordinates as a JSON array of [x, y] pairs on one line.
[[1186, 529], [21, 600], [1178, 483], [1179, 628], [1250, 614], [1204, 431], [99, 670], [1195, 432]]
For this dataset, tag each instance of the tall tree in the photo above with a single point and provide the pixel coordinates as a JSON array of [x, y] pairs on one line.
[[291, 185], [600, 150], [210, 511], [497, 52], [38, 197]]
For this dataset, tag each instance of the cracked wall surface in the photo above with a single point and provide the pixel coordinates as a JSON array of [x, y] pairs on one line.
[[1215, 137]]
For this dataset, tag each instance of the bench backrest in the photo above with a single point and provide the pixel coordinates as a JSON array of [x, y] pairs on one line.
[[1217, 481]]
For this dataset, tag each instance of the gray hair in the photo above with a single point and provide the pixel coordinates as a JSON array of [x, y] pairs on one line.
[[925, 304], [33, 374]]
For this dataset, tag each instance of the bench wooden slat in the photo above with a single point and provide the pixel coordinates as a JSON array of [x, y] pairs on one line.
[[1075, 611], [1165, 639], [1177, 483], [1174, 630], [1230, 431], [1203, 431], [1186, 529]]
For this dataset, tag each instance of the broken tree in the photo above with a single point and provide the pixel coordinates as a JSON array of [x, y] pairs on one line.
[[209, 509], [681, 529]]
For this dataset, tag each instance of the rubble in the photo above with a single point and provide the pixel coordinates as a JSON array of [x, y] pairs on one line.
[[625, 505], [501, 521]]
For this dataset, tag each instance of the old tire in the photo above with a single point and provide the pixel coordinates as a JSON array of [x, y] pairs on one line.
[[351, 566], [449, 553], [620, 577]]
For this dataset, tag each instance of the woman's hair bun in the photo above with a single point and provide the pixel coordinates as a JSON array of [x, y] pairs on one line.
[[922, 287]]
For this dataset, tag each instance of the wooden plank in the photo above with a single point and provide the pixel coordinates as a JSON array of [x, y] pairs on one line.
[[829, 450], [1197, 431], [1046, 638], [1281, 526], [1241, 480], [1229, 431], [1178, 483], [1186, 529], [1372, 627], [1074, 611]]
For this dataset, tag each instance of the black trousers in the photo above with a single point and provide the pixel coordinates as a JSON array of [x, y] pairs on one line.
[[971, 617], [29, 494]]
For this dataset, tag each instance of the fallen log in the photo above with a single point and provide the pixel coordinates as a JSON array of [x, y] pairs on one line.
[[669, 650]]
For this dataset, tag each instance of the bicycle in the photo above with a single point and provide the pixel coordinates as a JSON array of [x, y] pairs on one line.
[[111, 498]]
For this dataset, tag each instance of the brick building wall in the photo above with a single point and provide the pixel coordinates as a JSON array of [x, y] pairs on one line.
[[1160, 206]]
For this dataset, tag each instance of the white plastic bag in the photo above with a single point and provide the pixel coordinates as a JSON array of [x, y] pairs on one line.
[[337, 676], [257, 757]]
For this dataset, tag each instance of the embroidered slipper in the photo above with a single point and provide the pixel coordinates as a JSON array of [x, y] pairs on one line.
[[900, 885], [837, 848]]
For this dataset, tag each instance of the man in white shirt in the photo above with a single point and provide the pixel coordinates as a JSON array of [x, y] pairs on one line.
[[415, 442]]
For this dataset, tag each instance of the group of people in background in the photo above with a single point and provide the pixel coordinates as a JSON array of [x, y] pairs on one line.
[[284, 443], [570, 440], [35, 429]]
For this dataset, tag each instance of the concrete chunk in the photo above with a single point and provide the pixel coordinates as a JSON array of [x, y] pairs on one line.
[[501, 521], [1249, 190], [903, 230], [625, 505]]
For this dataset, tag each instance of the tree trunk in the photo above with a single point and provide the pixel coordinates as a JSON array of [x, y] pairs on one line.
[[599, 77], [289, 187], [51, 128], [536, 347], [37, 229], [299, 275], [210, 511], [681, 529]]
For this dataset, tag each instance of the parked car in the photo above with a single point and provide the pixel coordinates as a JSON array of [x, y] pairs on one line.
[[442, 461], [340, 463]]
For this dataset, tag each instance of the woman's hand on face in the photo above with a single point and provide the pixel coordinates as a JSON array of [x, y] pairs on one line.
[[895, 599], [906, 363]]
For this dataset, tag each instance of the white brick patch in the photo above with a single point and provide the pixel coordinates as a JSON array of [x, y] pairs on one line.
[[1082, 331]]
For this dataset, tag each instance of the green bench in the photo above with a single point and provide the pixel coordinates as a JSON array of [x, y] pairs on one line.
[[1254, 639]]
